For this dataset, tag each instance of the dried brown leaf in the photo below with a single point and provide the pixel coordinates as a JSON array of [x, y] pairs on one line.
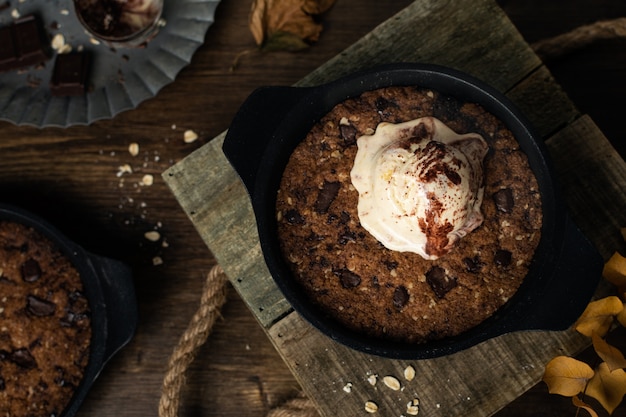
[[286, 23], [257, 20], [621, 317], [607, 387], [609, 354], [567, 376], [581, 404], [284, 41], [317, 6], [599, 316]]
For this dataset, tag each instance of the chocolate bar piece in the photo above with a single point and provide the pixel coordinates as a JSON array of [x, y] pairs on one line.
[[69, 76], [22, 44]]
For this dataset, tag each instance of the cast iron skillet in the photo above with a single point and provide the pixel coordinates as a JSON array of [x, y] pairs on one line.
[[110, 291], [273, 120]]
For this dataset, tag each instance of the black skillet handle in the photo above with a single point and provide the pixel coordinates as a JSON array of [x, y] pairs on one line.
[[576, 276], [118, 291], [253, 127]]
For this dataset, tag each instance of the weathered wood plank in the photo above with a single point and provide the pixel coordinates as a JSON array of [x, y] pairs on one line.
[[475, 382], [593, 181], [473, 36], [216, 201]]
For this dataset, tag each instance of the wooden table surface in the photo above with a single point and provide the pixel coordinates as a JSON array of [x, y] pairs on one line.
[[70, 176]]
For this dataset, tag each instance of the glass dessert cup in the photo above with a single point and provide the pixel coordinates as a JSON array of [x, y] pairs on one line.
[[121, 23]]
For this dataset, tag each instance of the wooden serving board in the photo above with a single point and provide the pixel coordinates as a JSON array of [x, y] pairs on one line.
[[474, 36]]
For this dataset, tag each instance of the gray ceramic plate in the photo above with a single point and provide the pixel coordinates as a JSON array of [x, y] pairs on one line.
[[119, 79]]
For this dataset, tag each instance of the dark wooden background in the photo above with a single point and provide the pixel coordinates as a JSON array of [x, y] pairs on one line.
[[69, 177]]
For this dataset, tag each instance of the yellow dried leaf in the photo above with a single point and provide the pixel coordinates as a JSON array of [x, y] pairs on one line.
[[566, 376], [609, 354], [581, 404], [608, 387], [621, 317], [286, 24], [615, 270], [599, 316]]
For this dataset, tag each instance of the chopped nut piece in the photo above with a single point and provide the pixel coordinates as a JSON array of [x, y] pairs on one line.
[[190, 136], [372, 379], [147, 180], [413, 407], [348, 387], [371, 407], [133, 149], [124, 169], [409, 373], [58, 41], [392, 382], [157, 261], [152, 235]]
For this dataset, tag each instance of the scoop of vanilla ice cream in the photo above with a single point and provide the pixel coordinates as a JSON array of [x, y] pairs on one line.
[[420, 185]]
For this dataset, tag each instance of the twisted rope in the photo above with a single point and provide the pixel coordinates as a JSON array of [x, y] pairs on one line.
[[211, 302], [214, 293], [568, 42]]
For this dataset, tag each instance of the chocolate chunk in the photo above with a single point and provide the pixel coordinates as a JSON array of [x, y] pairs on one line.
[[375, 282], [23, 358], [22, 44], [391, 265], [382, 105], [2, 384], [39, 307], [348, 134], [69, 76], [473, 265], [400, 297], [347, 236], [294, 217], [326, 196], [348, 278], [502, 257], [504, 200], [31, 271], [439, 281]]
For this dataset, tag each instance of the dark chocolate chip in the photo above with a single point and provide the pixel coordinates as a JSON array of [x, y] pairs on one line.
[[504, 200], [346, 236], [23, 358], [391, 265], [502, 257], [348, 278], [2, 384], [439, 281], [400, 297], [39, 307], [326, 196], [293, 216], [473, 265], [348, 134], [31, 271], [375, 282], [382, 105]]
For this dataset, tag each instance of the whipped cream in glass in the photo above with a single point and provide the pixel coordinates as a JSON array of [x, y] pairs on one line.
[[420, 185]]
